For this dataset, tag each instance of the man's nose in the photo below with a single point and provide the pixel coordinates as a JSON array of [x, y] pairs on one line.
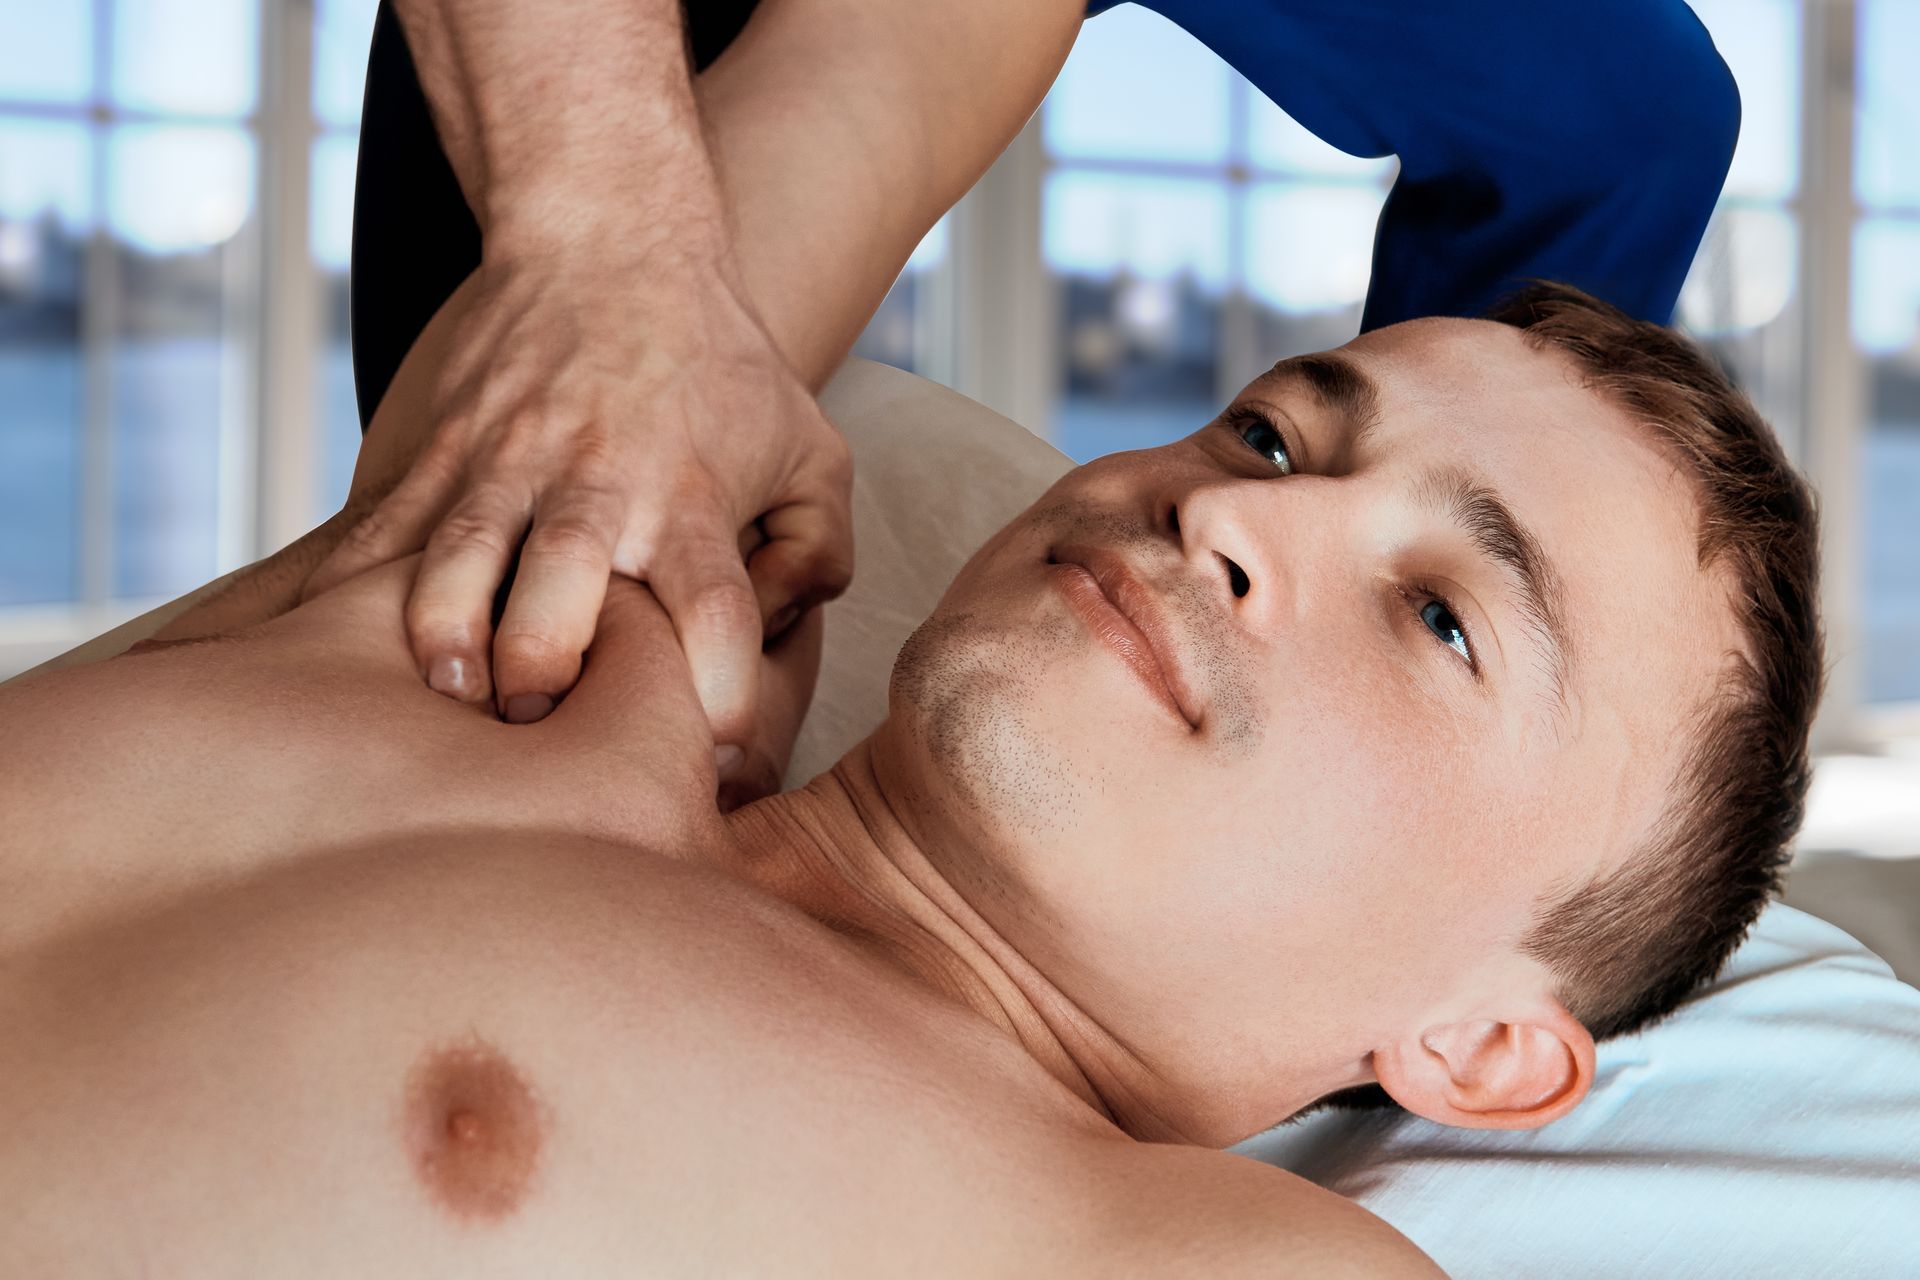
[[1253, 547]]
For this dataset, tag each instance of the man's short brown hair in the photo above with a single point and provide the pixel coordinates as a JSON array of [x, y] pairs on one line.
[[1627, 946]]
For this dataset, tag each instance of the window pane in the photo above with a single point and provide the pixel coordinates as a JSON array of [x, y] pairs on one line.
[[1137, 87], [178, 201], [1888, 110], [334, 157], [1310, 248], [175, 187], [1741, 299], [47, 55], [186, 55], [1886, 282], [1141, 264], [342, 32], [43, 227], [1760, 40], [44, 173], [1096, 224], [1278, 141], [1744, 273]]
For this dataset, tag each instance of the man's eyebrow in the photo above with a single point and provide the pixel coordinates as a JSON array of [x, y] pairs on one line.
[[1341, 386], [1499, 536]]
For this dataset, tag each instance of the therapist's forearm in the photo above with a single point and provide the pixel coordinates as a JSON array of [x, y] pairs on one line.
[[844, 129], [568, 119]]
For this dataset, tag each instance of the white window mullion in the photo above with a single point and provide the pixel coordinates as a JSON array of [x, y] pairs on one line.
[[287, 454], [99, 311], [1834, 379]]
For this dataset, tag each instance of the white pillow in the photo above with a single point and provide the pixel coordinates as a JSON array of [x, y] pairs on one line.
[[1770, 1127]]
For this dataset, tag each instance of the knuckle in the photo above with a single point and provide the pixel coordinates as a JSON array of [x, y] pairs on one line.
[[528, 422], [724, 606], [467, 530], [529, 653], [364, 541], [595, 456], [831, 571], [570, 540], [439, 626], [835, 454]]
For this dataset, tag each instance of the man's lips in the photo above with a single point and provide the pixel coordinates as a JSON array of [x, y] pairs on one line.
[[1128, 618]]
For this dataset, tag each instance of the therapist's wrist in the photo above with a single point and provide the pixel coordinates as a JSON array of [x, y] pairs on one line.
[[676, 215]]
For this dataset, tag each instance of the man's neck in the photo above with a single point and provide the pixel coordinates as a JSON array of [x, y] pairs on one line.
[[838, 850]]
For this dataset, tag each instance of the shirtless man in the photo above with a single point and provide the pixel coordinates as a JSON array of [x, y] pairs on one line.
[[307, 968]]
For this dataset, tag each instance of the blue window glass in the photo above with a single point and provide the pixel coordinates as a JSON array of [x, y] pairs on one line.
[[178, 203], [178, 187], [1887, 137], [1139, 88], [47, 55], [45, 207], [1886, 324], [334, 160], [1310, 247], [338, 413], [193, 56], [896, 334], [45, 172], [1886, 287], [1151, 228], [1760, 41], [1745, 273], [1142, 266], [342, 32]]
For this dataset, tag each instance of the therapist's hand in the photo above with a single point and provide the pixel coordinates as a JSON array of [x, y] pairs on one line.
[[618, 409]]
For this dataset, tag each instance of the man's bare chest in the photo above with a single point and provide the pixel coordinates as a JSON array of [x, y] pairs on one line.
[[159, 773], [487, 1048]]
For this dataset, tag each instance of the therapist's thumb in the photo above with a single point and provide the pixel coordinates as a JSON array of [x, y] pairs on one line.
[[701, 582]]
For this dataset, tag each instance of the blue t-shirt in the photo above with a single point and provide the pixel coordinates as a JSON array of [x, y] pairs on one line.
[[1575, 140]]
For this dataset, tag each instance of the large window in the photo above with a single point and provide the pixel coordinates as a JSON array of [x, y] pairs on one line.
[[128, 152], [1886, 328]]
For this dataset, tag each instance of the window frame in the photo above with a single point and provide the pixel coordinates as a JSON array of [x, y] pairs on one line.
[[270, 440]]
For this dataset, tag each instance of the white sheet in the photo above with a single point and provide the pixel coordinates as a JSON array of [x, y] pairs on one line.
[[1771, 1127]]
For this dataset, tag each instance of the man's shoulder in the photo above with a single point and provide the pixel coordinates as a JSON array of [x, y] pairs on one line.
[[1213, 1213]]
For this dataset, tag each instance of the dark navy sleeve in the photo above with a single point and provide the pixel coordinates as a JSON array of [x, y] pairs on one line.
[[1583, 141]]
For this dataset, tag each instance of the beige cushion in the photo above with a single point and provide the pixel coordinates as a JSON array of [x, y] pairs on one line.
[[935, 475]]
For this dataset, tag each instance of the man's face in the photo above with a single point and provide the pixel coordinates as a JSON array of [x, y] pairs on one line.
[[1303, 791]]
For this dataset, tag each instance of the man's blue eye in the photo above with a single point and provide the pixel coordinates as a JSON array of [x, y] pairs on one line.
[[1265, 439], [1442, 623]]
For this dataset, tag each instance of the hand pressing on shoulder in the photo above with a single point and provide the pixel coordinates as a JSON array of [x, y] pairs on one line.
[[610, 406]]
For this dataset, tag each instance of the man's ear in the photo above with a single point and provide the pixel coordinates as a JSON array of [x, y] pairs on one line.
[[1489, 1074]]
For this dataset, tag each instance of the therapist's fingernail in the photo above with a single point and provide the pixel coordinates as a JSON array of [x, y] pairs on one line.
[[451, 676], [525, 708], [727, 758]]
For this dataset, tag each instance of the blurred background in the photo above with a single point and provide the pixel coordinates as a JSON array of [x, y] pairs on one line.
[[176, 190]]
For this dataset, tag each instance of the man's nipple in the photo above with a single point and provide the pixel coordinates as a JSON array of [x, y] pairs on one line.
[[473, 1130]]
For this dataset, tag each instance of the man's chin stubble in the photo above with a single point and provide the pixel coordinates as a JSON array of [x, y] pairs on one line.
[[969, 694]]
